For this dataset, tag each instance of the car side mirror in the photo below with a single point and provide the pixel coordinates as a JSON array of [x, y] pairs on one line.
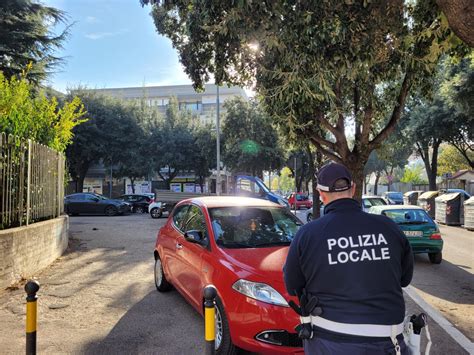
[[195, 236]]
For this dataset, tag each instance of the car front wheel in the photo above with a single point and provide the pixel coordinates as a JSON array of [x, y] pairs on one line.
[[110, 211], [161, 282], [139, 209], [223, 341], [436, 258], [156, 212]]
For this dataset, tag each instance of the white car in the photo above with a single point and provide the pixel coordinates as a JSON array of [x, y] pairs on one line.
[[367, 203], [156, 209]]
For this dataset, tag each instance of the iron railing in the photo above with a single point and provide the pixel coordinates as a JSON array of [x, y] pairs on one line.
[[31, 182]]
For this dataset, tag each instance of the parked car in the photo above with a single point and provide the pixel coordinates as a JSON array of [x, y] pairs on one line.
[[367, 203], [422, 232], [393, 197], [302, 200], [139, 202], [239, 245], [156, 209], [90, 203]]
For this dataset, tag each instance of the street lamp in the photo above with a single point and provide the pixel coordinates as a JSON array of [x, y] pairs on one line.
[[218, 148]]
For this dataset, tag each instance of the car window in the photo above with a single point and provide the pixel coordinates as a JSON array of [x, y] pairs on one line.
[[77, 197], [369, 202], [250, 227], [195, 221], [405, 216], [91, 198], [179, 213]]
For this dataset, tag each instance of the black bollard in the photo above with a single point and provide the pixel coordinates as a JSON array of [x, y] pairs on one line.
[[31, 288], [210, 294]]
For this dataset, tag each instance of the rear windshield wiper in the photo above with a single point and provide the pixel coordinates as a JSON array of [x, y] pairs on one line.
[[270, 244], [233, 244]]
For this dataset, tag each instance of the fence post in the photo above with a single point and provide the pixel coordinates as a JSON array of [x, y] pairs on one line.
[[210, 294], [59, 185], [31, 288], [28, 184]]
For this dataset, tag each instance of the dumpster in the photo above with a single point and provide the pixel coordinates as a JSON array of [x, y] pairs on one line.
[[469, 214], [427, 201], [411, 197], [449, 209]]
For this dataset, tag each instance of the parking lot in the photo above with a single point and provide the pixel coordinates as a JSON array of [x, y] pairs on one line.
[[100, 296]]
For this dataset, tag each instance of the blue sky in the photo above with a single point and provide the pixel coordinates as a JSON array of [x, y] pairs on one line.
[[113, 43]]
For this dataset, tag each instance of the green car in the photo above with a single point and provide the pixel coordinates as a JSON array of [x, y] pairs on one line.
[[422, 232]]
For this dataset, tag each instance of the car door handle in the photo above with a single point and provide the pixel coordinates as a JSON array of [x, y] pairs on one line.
[[179, 246]]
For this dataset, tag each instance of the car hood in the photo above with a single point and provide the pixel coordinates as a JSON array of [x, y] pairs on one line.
[[265, 262]]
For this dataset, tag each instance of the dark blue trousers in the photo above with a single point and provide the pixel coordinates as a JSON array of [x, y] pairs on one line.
[[321, 346]]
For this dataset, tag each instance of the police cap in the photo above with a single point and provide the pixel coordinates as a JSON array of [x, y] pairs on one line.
[[329, 174]]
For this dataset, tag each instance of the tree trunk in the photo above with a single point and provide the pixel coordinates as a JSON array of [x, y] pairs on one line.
[[357, 170], [316, 200], [376, 184], [460, 15]]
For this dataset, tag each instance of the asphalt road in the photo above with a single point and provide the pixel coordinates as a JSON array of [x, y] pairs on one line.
[[100, 296]]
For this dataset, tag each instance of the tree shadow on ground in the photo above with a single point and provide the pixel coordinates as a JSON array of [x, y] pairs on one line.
[[446, 281], [161, 323]]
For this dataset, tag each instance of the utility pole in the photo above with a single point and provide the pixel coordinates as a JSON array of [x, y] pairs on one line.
[[218, 140]]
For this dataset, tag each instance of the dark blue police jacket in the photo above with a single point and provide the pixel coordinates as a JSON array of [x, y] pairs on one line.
[[356, 263]]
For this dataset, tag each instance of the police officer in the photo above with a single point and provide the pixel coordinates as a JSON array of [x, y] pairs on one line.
[[355, 264]]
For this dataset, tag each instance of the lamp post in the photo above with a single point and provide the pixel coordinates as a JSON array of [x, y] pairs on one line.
[[218, 148]]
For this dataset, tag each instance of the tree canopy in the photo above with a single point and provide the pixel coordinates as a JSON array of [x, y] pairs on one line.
[[316, 64], [26, 38], [30, 114], [251, 143]]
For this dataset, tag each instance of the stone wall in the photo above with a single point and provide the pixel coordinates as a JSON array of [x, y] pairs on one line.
[[26, 250]]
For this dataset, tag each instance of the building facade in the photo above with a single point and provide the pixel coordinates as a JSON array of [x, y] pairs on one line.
[[202, 104]]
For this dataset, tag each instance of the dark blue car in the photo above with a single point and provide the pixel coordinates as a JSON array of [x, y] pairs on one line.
[[393, 197]]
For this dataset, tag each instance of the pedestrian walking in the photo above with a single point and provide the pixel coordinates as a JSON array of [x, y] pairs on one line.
[[348, 269]]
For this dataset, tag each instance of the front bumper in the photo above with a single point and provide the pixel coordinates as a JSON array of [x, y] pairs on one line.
[[263, 328]]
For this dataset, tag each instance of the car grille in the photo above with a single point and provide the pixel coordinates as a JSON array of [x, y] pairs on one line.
[[280, 337]]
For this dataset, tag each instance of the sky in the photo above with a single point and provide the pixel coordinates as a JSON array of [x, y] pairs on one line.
[[113, 43]]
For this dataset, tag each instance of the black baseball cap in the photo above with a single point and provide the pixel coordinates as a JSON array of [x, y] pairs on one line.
[[329, 174]]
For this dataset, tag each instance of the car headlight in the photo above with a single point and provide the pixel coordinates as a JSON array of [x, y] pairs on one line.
[[259, 291]]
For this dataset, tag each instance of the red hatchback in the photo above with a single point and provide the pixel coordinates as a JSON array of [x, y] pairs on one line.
[[302, 200], [239, 245]]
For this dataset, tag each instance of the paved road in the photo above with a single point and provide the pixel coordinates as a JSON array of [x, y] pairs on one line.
[[100, 298]]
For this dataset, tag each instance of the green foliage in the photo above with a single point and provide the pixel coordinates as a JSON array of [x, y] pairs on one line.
[[26, 38], [173, 143], [286, 183], [413, 175], [31, 115], [110, 135], [251, 143], [320, 66], [204, 152], [451, 160]]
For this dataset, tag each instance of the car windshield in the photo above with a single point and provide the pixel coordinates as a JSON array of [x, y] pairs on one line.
[[405, 216], [253, 227], [100, 197]]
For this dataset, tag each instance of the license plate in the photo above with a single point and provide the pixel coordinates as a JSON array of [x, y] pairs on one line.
[[413, 233]]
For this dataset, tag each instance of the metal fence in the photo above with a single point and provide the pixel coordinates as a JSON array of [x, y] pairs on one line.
[[31, 182]]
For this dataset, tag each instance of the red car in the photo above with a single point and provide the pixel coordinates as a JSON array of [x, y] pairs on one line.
[[239, 245], [302, 200]]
